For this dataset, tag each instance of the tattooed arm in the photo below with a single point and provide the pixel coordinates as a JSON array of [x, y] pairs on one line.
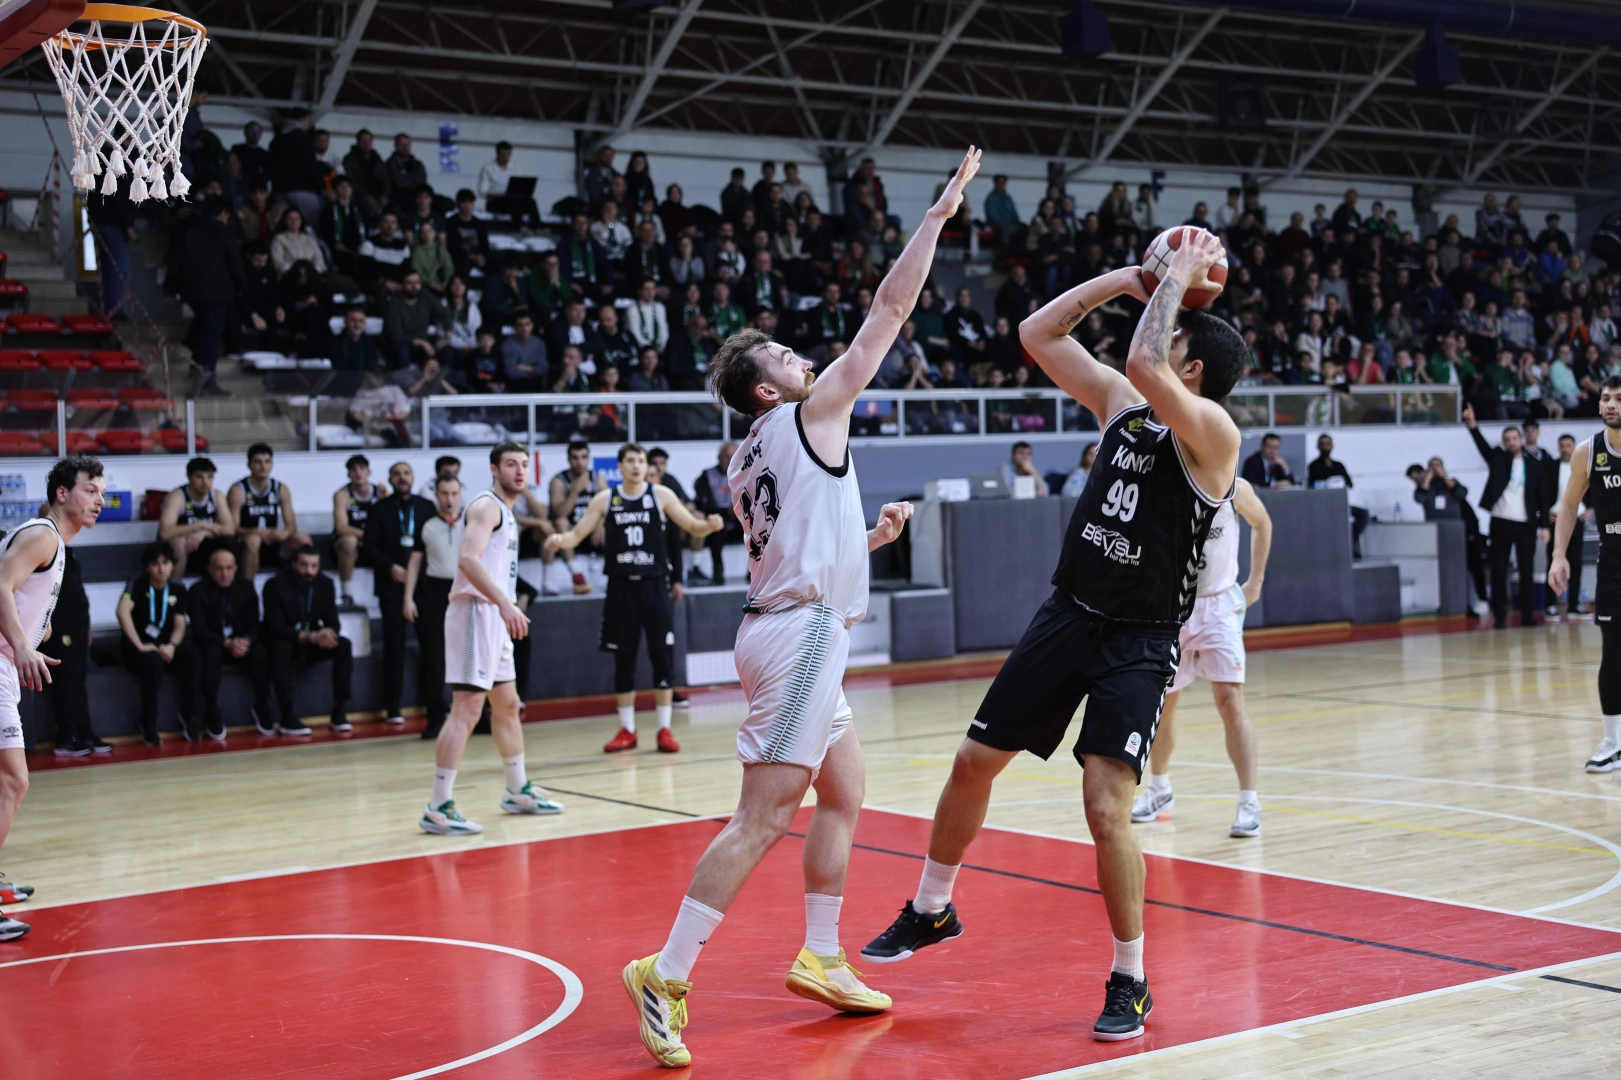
[[1077, 372], [1207, 434]]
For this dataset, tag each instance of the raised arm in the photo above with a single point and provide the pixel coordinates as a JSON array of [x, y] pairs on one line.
[[835, 391], [1077, 372], [676, 512], [1248, 505], [1207, 434], [1570, 509], [573, 538]]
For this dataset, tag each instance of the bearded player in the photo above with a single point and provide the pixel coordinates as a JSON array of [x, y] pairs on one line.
[[1124, 586], [794, 491]]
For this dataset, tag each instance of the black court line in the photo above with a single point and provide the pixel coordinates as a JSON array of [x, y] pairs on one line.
[[1206, 911], [1578, 982], [626, 802]]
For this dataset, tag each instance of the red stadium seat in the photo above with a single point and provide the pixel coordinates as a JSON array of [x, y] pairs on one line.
[[33, 399], [144, 397], [79, 442], [121, 441], [115, 360], [18, 360], [20, 443], [92, 399], [87, 324], [32, 324], [174, 440], [64, 360], [13, 289]]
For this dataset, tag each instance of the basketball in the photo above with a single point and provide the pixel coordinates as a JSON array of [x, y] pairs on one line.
[[1157, 261]]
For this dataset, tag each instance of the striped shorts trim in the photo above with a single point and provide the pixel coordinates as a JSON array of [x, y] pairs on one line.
[[791, 664]]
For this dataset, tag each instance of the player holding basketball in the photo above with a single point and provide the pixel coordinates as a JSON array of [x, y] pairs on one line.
[[32, 558], [1595, 473], [1212, 645], [480, 623], [794, 491], [1124, 585]]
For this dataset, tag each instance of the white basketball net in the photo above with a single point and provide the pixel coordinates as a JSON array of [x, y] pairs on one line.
[[127, 95]]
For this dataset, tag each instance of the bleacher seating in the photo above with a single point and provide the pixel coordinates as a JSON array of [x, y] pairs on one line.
[[86, 324], [64, 360], [19, 360], [115, 360], [25, 323], [13, 294]]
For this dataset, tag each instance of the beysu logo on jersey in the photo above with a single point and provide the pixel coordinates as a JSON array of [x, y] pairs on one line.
[[1114, 545]]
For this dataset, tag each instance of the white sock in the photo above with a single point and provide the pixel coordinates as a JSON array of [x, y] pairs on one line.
[[627, 718], [1128, 957], [822, 923], [693, 925], [1248, 797], [1612, 728], [934, 891], [443, 781], [1159, 781], [664, 716], [515, 772]]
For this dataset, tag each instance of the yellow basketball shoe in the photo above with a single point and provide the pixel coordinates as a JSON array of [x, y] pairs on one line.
[[662, 1005], [833, 982]]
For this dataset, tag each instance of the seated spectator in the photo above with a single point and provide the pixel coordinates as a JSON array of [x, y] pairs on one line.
[[611, 345], [689, 354], [413, 324], [1020, 464], [261, 297], [481, 367], [353, 354], [383, 257], [258, 218], [916, 375], [431, 259], [647, 376], [523, 356], [1201, 217], [1266, 467], [1562, 384], [726, 317], [152, 616], [293, 244], [266, 523], [763, 286], [950, 378], [855, 270], [572, 329], [507, 293], [255, 158], [493, 181], [647, 209], [611, 233], [898, 362], [569, 379], [1013, 298], [421, 212], [726, 262], [930, 323], [433, 379], [465, 318], [343, 228], [965, 327], [194, 519], [466, 236], [647, 320], [301, 627], [1001, 214], [686, 265], [1075, 483], [405, 173], [646, 262], [584, 263], [364, 166], [677, 219], [223, 612]]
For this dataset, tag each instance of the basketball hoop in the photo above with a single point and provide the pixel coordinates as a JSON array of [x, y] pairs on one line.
[[126, 80]]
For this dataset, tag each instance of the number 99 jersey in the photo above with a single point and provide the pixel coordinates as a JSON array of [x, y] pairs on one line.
[[1133, 545]]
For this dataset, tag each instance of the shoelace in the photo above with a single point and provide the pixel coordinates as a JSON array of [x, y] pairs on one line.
[[1117, 997], [677, 1008]]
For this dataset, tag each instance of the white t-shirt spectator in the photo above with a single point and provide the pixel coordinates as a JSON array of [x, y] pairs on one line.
[[463, 328], [1226, 215], [492, 179], [287, 248], [648, 324], [615, 238], [790, 192], [1511, 504], [1602, 332]]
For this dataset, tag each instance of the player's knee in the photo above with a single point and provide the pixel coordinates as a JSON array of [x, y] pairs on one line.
[[251, 542], [13, 786], [975, 765], [1229, 700]]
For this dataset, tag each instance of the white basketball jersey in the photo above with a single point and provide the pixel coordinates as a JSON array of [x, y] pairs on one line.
[[500, 555], [803, 525], [36, 596], [1218, 566]]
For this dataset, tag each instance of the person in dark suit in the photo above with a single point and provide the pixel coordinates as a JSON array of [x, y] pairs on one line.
[[393, 534], [208, 276], [1266, 468], [301, 625], [70, 643], [1519, 491], [225, 629]]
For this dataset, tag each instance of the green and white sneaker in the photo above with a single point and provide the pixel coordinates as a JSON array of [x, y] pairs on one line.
[[532, 799], [446, 820]]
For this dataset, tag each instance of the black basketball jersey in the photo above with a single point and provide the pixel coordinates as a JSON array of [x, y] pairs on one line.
[[1604, 492], [260, 510], [583, 499], [360, 509], [1133, 545], [634, 544], [193, 512]]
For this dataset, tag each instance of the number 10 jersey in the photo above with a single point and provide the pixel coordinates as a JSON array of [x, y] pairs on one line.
[[1133, 545]]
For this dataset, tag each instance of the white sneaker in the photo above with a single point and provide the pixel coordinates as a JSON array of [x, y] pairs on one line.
[[1151, 803], [532, 799], [1483, 608], [446, 820], [394, 720], [1607, 758], [1248, 820]]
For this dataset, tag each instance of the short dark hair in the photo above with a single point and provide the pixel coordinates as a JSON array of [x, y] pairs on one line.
[[65, 474], [307, 549], [157, 549], [1271, 435], [442, 460], [734, 371], [466, 195], [1612, 383], [1415, 467], [1532, 423], [1220, 347], [508, 447], [260, 448], [363, 131], [255, 247], [199, 465], [450, 477], [502, 145], [357, 459], [658, 452], [1020, 445], [632, 448]]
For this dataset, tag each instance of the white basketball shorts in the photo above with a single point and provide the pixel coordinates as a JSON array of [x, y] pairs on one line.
[[791, 664], [11, 720], [478, 650], [1213, 640]]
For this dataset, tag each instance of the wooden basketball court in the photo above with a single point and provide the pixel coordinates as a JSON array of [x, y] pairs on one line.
[[1435, 892]]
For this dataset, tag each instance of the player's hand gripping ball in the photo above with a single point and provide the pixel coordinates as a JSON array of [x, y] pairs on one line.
[[1157, 263]]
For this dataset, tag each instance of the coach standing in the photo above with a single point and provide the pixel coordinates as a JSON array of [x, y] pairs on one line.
[[427, 595], [1517, 496], [393, 533]]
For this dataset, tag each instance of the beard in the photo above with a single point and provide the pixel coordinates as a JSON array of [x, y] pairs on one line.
[[1612, 421], [792, 394]]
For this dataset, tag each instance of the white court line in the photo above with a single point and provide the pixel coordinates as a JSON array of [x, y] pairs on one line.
[[1397, 776], [279, 871], [573, 989], [1286, 1029], [1283, 874]]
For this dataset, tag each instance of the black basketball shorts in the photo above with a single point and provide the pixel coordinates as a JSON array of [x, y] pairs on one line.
[[1067, 654], [631, 609]]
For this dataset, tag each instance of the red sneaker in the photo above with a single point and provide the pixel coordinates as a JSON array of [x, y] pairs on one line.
[[625, 740], [667, 743]]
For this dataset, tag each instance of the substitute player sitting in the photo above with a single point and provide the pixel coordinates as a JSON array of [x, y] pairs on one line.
[[1212, 645], [640, 596], [480, 623]]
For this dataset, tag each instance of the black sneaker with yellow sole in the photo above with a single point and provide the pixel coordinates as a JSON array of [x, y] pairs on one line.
[[912, 930]]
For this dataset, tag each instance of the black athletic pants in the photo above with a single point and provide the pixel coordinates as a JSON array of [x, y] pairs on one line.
[[212, 659], [1476, 556], [1607, 613], [70, 701], [391, 598], [634, 607], [1518, 538], [433, 597], [149, 668], [1573, 553], [285, 654]]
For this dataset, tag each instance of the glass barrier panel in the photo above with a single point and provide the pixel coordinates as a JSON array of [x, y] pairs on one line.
[[1429, 406], [1249, 410], [474, 425], [872, 418], [677, 422], [1295, 410], [1377, 408], [596, 421], [942, 416], [1026, 416], [231, 425], [1075, 416]]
